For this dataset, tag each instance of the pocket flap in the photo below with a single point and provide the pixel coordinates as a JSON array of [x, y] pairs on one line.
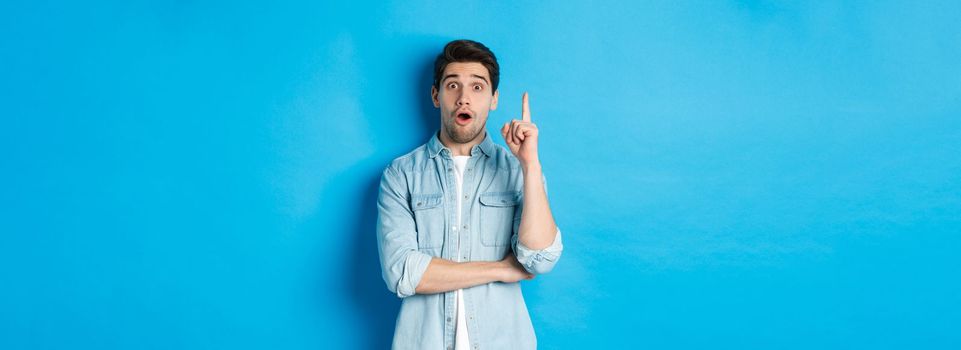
[[425, 201], [500, 199]]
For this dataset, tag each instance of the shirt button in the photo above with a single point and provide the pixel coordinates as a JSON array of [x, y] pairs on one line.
[[448, 319], [453, 228], [465, 227]]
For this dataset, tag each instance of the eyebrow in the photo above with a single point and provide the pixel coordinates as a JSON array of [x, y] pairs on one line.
[[473, 75]]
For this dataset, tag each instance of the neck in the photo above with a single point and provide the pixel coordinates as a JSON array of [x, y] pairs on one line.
[[461, 149]]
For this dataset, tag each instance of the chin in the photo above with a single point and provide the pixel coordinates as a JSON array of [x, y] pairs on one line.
[[464, 136]]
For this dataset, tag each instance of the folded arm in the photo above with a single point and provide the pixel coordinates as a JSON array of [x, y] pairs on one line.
[[444, 275]]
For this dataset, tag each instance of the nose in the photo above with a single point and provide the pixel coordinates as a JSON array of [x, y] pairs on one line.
[[463, 100]]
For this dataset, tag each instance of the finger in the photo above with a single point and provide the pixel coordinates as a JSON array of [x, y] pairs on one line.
[[525, 109], [517, 139], [527, 130], [504, 132], [517, 132]]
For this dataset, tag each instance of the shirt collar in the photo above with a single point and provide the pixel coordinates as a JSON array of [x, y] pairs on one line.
[[434, 146]]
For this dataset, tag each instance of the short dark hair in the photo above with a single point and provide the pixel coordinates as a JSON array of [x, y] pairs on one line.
[[467, 51]]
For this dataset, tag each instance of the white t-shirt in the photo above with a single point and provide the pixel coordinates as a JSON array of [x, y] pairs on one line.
[[461, 341]]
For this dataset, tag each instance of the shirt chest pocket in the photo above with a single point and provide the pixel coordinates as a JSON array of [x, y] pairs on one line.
[[497, 217], [429, 218]]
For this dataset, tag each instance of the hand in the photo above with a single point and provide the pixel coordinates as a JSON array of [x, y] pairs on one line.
[[513, 271], [521, 135]]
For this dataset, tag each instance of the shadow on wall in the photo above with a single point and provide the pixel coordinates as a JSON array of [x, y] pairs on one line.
[[375, 305]]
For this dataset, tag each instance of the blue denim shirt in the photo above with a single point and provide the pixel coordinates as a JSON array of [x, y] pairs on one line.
[[416, 213]]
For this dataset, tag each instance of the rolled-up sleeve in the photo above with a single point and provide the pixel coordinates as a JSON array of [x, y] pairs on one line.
[[402, 264], [538, 261]]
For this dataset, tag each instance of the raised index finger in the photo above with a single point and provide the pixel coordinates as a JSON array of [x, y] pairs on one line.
[[525, 109]]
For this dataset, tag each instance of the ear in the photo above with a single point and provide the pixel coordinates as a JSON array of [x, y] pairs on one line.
[[434, 97], [494, 100]]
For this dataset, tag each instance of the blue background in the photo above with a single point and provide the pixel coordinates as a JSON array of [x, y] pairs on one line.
[[728, 174]]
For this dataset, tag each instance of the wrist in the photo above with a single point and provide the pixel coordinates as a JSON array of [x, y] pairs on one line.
[[534, 165], [500, 270]]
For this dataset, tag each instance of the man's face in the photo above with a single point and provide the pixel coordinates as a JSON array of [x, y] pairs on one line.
[[464, 100]]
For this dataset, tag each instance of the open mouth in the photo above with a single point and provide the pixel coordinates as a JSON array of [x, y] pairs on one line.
[[464, 117]]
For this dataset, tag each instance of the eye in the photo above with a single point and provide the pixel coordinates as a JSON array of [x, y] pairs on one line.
[[452, 86], [478, 87]]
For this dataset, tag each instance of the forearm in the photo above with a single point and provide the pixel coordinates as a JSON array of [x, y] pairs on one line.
[[444, 275], [537, 228]]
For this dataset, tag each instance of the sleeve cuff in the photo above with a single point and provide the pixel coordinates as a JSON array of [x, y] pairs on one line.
[[538, 261], [414, 268]]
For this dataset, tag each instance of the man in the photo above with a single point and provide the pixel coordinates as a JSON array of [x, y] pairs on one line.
[[461, 220]]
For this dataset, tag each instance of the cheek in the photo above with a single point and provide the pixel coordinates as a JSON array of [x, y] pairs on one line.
[[450, 99], [484, 98]]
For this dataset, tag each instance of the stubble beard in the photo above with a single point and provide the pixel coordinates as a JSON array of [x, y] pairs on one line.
[[461, 134]]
